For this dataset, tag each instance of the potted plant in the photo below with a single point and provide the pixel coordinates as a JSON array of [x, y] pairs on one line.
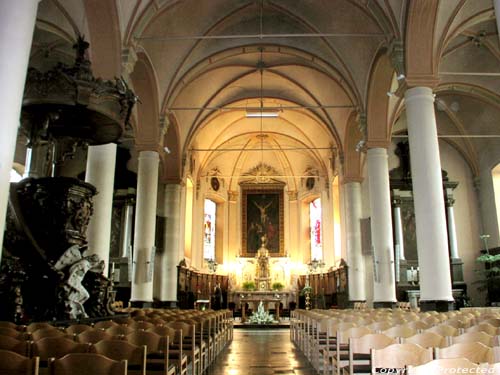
[[277, 286], [248, 285]]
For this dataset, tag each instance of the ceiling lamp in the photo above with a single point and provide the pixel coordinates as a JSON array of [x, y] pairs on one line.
[[260, 113]]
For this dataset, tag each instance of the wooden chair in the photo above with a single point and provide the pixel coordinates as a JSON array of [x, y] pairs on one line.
[[445, 366], [12, 363], [176, 354], [398, 356], [157, 350], [49, 332], [399, 332], [360, 351], [93, 336], [76, 329], [86, 363], [120, 349], [36, 326], [483, 327], [493, 369], [495, 322], [481, 337], [473, 351], [427, 340], [10, 332], [119, 330], [5, 324], [57, 347], [190, 345], [380, 326], [340, 356], [141, 325], [104, 324], [21, 347], [418, 325]]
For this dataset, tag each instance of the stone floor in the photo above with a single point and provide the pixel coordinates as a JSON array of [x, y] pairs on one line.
[[261, 352]]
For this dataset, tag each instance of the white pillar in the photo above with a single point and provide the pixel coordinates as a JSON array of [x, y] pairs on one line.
[[17, 22], [432, 241], [100, 172], [172, 255], [145, 225], [384, 286], [452, 232], [398, 228], [355, 262]]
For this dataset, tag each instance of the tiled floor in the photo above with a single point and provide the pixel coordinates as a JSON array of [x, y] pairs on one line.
[[261, 352]]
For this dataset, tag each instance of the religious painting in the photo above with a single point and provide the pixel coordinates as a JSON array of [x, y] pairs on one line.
[[262, 220]]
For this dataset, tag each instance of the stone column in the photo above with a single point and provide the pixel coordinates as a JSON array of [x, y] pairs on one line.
[[432, 240], [17, 22], [145, 225], [452, 233], [398, 228], [166, 279], [384, 286], [355, 262], [100, 172]]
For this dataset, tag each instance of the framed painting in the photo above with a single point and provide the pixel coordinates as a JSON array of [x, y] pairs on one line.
[[262, 220]]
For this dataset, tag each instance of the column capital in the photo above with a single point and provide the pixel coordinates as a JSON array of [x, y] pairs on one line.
[[449, 201], [351, 179], [155, 147], [232, 195], [377, 143], [423, 80], [292, 195]]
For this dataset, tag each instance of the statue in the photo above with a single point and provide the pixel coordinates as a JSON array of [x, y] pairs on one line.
[[263, 274]]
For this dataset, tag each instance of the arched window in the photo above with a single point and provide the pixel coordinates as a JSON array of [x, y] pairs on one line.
[[495, 174], [316, 231], [210, 214]]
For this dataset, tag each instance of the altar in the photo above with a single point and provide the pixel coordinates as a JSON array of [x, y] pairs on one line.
[[270, 300]]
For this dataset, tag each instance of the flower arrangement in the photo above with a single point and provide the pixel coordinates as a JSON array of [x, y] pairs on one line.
[[248, 285], [305, 290], [277, 286]]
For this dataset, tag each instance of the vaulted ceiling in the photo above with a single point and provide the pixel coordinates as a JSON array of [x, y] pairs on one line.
[[323, 64]]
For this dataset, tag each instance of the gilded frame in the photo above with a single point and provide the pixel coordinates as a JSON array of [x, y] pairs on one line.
[[262, 215]]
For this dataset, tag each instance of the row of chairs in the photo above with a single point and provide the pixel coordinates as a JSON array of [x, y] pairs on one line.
[[203, 334], [317, 333], [76, 363]]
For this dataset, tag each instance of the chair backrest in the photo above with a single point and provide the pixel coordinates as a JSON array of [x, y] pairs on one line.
[[5, 324], [445, 366], [57, 347], [444, 330], [380, 326], [152, 341], [36, 326], [12, 363], [141, 325], [76, 329], [364, 344], [481, 337], [5, 331], [473, 351], [119, 330], [85, 364], [92, 336], [400, 331], [397, 356], [427, 340], [14, 345], [344, 336], [483, 327], [47, 332], [418, 324], [493, 321], [103, 324], [119, 350]]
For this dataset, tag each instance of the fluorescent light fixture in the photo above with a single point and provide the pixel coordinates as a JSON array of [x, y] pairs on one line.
[[260, 114]]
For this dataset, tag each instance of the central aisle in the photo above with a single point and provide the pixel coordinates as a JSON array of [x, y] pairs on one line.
[[261, 352]]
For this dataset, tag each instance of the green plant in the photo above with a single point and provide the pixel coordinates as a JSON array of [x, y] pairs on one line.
[[248, 285], [277, 286], [305, 290], [489, 276]]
